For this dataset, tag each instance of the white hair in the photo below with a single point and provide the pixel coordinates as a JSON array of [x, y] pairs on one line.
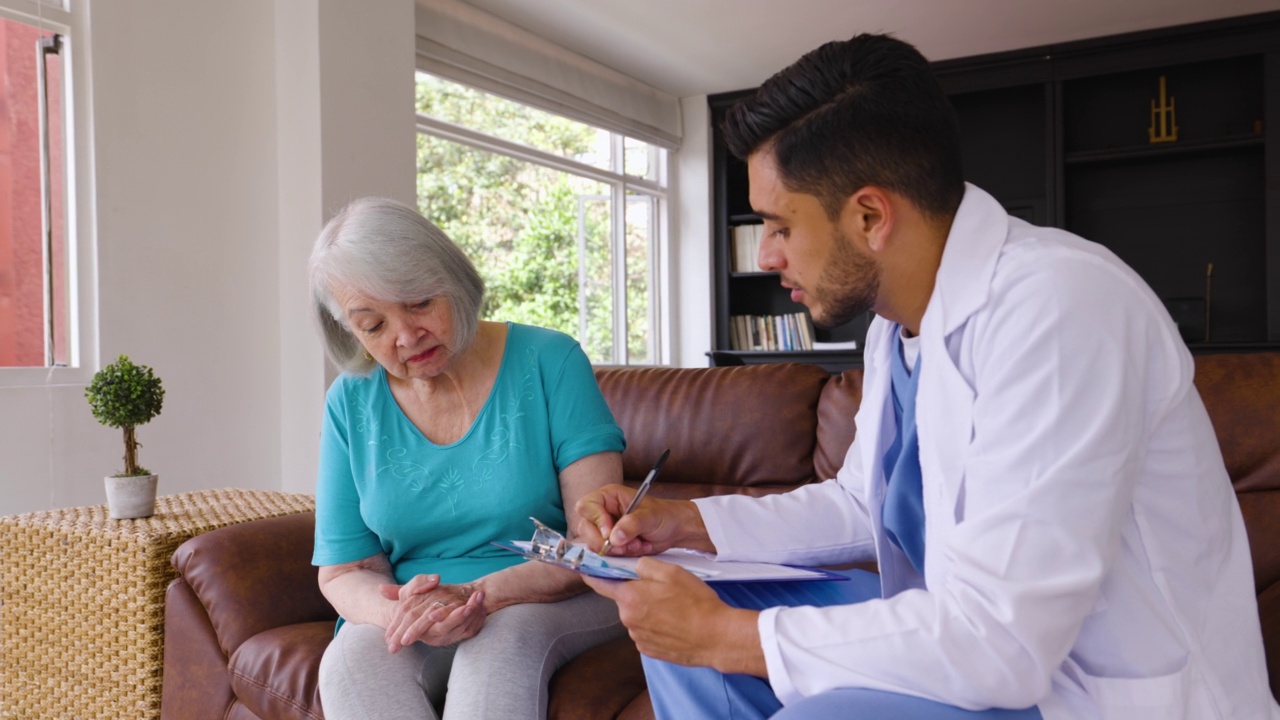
[[388, 251]]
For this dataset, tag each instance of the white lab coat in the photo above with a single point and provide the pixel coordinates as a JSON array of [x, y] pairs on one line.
[[1084, 549]]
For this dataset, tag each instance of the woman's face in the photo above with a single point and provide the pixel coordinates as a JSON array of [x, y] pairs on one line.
[[412, 340]]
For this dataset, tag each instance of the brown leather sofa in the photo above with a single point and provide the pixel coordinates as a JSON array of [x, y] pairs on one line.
[[245, 624]]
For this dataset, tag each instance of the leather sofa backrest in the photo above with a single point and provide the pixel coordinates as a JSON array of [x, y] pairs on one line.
[[747, 429], [1242, 394]]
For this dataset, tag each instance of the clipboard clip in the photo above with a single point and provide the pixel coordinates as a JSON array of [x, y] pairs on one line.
[[549, 545]]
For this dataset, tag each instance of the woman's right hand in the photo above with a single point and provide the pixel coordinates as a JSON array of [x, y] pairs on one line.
[[432, 613]]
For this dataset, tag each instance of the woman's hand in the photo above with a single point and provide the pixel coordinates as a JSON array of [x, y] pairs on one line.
[[432, 613]]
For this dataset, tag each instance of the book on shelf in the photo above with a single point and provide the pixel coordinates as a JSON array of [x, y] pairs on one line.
[[844, 345], [745, 246], [771, 333]]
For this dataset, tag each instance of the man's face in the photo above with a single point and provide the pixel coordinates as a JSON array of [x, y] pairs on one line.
[[822, 266]]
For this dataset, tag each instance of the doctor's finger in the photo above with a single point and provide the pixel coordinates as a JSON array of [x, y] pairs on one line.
[[598, 510], [607, 588]]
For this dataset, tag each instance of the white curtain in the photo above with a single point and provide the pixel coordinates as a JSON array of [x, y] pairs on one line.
[[463, 43]]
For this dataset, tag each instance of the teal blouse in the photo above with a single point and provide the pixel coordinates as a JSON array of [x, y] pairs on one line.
[[384, 487]]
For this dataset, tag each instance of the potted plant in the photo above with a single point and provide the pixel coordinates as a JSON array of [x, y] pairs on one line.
[[125, 395]]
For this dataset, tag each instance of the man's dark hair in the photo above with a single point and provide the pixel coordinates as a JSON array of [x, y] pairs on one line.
[[853, 113]]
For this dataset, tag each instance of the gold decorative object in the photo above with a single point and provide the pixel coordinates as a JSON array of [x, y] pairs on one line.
[[82, 601], [1164, 125]]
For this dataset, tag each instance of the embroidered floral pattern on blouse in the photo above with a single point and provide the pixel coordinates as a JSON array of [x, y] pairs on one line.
[[502, 439], [399, 461]]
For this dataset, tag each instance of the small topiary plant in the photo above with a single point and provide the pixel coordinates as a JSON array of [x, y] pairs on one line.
[[125, 395]]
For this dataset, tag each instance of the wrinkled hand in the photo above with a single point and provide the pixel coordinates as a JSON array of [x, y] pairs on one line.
[[652, 527], [432, 613], [673, 616]]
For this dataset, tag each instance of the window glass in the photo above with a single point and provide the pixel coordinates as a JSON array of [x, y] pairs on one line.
[[528, 229], [642, 159], [641, 225], [564, 244], [512, 121], [34, 313]]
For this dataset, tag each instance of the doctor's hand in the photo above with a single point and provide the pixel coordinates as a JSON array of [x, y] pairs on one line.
[[653, 526], [432, 613], [673, 616]]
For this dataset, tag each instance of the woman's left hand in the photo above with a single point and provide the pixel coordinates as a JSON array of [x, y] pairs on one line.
[[435, 614]]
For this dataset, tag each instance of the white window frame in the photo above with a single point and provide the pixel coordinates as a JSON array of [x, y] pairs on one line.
[[619, 183], [69, 18]]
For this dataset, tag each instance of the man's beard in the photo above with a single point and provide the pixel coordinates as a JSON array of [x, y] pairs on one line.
[[848, 285]]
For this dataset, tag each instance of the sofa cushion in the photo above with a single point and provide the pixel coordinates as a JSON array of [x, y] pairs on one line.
[[239, 712], [728, 428], [836, 409], [601, 682], [276, 672]]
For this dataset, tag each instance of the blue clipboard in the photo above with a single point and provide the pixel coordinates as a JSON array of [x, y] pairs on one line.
[[585, 562]]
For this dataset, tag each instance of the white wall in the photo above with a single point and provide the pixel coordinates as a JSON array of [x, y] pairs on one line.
[[346, 129], [691, 279], [208, 184], [223, 135]]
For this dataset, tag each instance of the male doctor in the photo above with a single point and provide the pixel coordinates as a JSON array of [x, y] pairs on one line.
[[1034, 471]]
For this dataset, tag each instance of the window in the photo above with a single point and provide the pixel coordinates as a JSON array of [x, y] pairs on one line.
[[36, 262], [562, 219]]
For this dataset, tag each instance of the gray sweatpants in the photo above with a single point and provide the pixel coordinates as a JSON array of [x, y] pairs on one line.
[[502, 672]]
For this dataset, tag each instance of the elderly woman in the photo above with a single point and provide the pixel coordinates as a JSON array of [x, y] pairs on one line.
[[442, 434]]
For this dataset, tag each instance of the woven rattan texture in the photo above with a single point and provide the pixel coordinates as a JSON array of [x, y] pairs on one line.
[[82, 601]]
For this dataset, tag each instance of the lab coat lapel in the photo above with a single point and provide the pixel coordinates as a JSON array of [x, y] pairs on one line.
[[944, 404], [875, 433]]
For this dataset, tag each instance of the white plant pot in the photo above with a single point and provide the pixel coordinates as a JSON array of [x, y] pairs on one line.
[[131, 497]]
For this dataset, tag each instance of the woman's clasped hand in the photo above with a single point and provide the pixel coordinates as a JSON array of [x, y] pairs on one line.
[[435, 614]]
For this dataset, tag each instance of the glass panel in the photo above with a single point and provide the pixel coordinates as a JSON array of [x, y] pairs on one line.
[[528, 229], [641, 214], [23, 283], [60, 268], [492, 115], [640, 159], [595, 228]]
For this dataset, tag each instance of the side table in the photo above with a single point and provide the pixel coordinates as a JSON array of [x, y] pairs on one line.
[[82, 601]]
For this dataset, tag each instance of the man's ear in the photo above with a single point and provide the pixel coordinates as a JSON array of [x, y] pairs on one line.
[[868, 216]]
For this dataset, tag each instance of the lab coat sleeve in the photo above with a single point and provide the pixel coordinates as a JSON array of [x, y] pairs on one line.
[[1072, 363], [819, 524]]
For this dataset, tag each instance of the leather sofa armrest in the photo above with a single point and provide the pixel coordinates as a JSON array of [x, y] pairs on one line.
[[255, 576], [196, 683]]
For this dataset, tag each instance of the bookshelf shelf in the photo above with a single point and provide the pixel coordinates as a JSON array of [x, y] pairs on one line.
[[1108, 155], [1060, 136]]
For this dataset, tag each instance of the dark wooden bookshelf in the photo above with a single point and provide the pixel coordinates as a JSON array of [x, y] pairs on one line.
[[1059, 135]]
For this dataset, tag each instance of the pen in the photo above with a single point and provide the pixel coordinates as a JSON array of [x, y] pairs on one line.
[[640, 493]]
